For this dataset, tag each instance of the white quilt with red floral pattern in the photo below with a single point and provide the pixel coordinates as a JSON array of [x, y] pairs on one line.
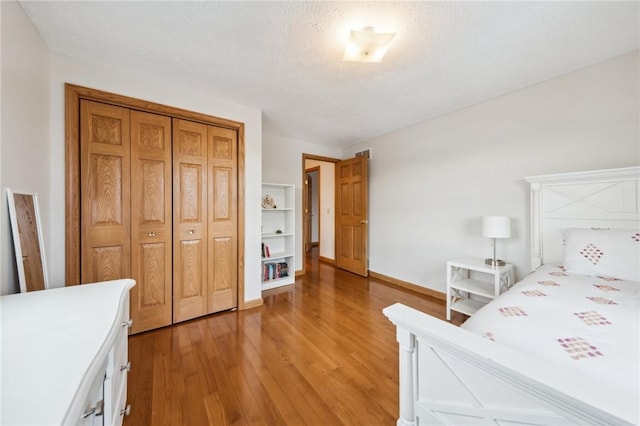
[[585, 323]]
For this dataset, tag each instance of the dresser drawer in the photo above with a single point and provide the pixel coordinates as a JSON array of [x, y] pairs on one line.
[[120, 353], [125, 326], [122, 408], [119, 376], [92, 413], [116, 379]]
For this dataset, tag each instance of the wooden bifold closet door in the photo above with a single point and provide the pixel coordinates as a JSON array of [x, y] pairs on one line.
[[205, 219], [159, 204], [151, 221]]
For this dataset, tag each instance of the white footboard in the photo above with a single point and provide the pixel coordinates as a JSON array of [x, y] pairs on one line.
[[449, 375]]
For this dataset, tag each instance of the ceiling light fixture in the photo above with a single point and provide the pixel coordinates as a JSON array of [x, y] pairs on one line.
[[366, 45]]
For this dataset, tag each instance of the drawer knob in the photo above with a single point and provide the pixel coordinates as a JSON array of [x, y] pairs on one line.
[[98, 410], [126, 411], [127, 323], [126, 367]]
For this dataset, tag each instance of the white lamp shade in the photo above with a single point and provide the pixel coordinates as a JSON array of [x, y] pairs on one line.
[[496, 227]]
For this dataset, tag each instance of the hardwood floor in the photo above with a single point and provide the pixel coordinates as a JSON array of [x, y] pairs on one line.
[[319, 353]]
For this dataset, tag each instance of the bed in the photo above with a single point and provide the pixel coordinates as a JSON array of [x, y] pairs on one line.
[[562, 345]]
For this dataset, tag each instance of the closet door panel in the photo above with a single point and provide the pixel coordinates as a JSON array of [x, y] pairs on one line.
[[105, 200], [151, 221], [223, 283], [223, 222], [107, 263], [189, 220], [191, 186], [190, 270], [105, 181]]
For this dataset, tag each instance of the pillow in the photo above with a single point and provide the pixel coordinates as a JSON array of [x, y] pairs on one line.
[[603, 252]]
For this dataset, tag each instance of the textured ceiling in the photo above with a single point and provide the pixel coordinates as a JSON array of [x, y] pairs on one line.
[[286, 57]]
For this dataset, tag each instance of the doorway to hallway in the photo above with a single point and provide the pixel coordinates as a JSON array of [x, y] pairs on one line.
[[318, 209]]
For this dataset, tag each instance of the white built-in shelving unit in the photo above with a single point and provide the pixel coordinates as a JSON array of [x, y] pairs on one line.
[[278, 235]]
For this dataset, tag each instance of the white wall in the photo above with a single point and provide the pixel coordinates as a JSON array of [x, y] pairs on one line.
[[429, 184], [24, 136], [173, 93], [282, 163], [327, 215], [1, 127]]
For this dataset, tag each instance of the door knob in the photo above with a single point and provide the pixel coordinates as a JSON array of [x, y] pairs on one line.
[[364, 221]]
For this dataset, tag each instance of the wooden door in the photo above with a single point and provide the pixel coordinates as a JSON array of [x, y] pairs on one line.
[[307, 212], [151, 224], [351, 215], [105, 207], [222, 180], [189, 220]]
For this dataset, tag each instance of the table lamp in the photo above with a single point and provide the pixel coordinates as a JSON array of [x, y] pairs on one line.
[[495, 227]]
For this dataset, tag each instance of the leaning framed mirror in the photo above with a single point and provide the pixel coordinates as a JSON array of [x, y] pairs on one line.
[[24, 215]]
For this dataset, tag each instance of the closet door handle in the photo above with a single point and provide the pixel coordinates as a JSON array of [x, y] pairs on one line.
[[151, 234], [191, 231]]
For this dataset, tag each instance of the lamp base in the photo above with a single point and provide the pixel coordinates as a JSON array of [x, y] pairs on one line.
[[494, 262]]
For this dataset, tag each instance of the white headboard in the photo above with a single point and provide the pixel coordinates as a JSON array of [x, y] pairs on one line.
[[596, 199]]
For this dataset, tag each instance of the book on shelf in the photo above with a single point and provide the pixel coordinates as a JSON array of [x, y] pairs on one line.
[[273, 270], [265, 250]]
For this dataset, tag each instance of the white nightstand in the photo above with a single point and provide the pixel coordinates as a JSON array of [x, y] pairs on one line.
[[487, 281]]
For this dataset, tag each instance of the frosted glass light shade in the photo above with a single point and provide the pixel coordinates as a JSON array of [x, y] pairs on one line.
[[366, 45], [496, 227]]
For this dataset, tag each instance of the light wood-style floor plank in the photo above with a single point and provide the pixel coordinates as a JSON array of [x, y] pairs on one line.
[[318, 353]]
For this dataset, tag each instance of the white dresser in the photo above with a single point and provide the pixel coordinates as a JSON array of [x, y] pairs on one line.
[[64, 355]]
